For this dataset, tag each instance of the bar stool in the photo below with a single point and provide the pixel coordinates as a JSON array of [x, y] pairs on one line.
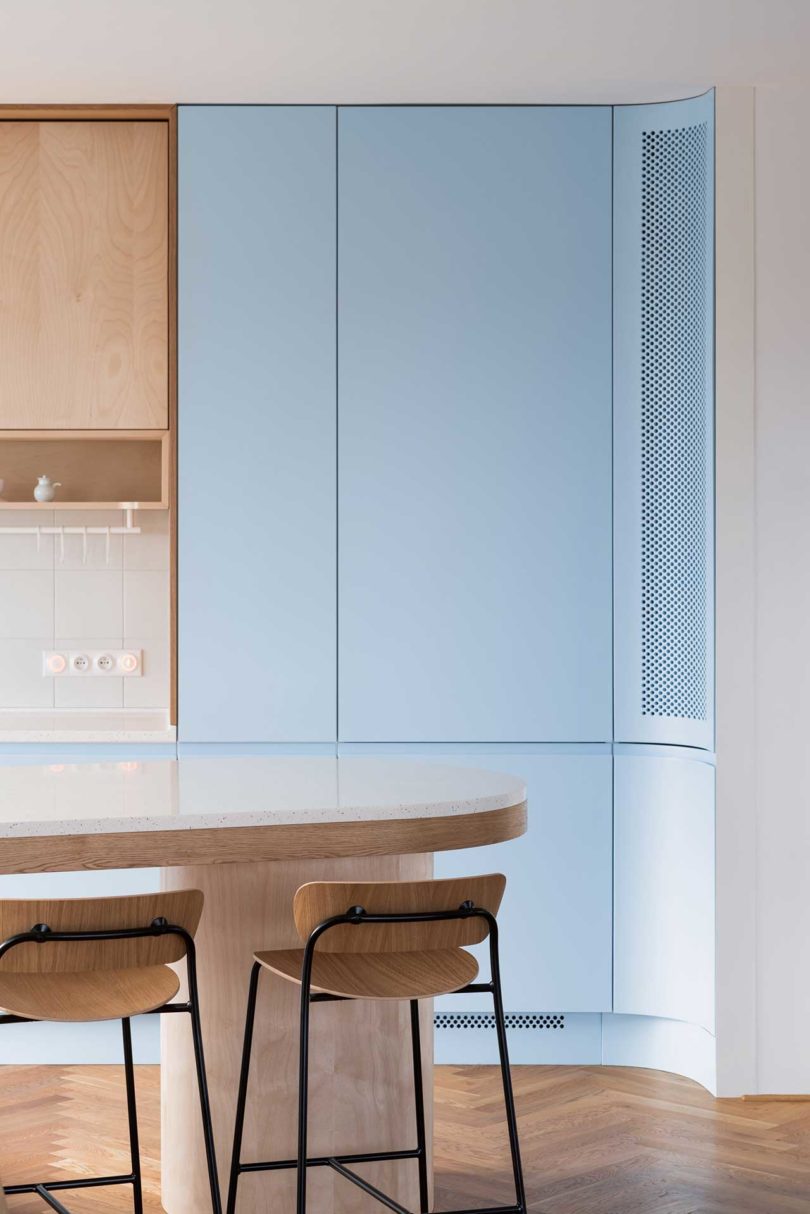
[[104, 959], [383, 940]]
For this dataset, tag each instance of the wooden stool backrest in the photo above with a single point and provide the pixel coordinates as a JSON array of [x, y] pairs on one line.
[[182, 908], [321, 900]]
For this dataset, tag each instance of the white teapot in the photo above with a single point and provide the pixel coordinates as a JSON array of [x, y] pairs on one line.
[[45, 488]]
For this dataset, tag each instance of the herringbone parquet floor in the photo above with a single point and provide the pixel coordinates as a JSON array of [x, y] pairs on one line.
[[595, 1141]]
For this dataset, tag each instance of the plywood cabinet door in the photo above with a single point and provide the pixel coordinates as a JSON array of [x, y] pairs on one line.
[[84, 275]]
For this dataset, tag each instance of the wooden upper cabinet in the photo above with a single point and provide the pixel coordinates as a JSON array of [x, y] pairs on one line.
[[84, 237]]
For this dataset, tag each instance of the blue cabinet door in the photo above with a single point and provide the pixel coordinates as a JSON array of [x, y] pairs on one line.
[[475, 423], [664, 954], [257, 497], [556, 920], [664, 434]]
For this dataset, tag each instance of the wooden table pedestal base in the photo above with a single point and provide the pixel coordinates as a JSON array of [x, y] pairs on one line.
[[361, 1080]]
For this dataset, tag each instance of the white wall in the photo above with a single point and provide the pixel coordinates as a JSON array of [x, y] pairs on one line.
[[379, 51], [782, 151], [763, 643], [735, 596]]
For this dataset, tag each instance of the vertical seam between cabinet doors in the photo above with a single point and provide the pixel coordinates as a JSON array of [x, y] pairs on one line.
[[337, 431], [713, 416], [612, 569]]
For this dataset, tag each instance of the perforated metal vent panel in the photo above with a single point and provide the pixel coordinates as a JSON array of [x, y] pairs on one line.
[[485, 1020], [663, 423], [674, 422]]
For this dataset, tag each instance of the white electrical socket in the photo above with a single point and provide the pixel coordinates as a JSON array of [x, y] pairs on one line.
[[85, 663]]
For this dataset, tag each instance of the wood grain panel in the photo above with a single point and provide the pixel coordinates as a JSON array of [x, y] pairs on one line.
[[410, 975], [181, 907], [296, 840], [82, 998], [71, 113], [83, 265], [321, 900], [170, 466]]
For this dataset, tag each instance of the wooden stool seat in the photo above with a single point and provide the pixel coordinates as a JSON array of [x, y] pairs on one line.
[[90, 959], [410, 975], [88, 995]]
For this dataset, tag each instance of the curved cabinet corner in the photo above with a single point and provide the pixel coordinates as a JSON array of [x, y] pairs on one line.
[[663, 422], [664, 888]]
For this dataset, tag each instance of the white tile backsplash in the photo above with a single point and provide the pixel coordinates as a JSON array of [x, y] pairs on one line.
[[46, 603], [21, 681], [151, 690], [26, 602], [88, 602], [150, 549], [146, 603], [88, 691], [20, 551]]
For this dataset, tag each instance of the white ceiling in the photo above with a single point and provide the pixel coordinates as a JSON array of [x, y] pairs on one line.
[[394, 50]]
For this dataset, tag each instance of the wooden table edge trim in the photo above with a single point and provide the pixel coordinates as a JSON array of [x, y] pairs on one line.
[[241, 844]]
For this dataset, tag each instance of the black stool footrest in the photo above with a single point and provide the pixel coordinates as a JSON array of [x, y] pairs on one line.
[[56, 1186], [325, 1161], [50, 1200], [371, 1189]]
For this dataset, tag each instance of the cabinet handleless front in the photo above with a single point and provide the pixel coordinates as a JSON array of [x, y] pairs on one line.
[[84, 266], [256, 424], [474, 423]]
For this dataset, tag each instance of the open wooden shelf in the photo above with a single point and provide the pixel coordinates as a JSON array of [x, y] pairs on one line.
[[99, 469]]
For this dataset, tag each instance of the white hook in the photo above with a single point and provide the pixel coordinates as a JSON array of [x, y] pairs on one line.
[[39, 538], [84, 545], [107, 546], [61, 544]]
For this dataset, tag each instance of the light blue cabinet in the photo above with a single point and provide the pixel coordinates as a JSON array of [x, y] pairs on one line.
[[664, 432], [398, 509], [257, 509], [556, 919], [475, 423], [664, 955]]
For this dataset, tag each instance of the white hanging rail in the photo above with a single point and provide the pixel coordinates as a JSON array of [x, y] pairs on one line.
[[128, 529]]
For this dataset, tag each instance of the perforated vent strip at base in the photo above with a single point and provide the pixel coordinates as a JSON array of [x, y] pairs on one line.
[[486, 1020], [674, 421]]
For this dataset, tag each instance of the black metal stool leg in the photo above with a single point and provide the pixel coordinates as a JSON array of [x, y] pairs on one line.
[[421, 1139], [241, 1099], [506, 1075], [202, 1083], [132, 1115], [303, 1087]]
